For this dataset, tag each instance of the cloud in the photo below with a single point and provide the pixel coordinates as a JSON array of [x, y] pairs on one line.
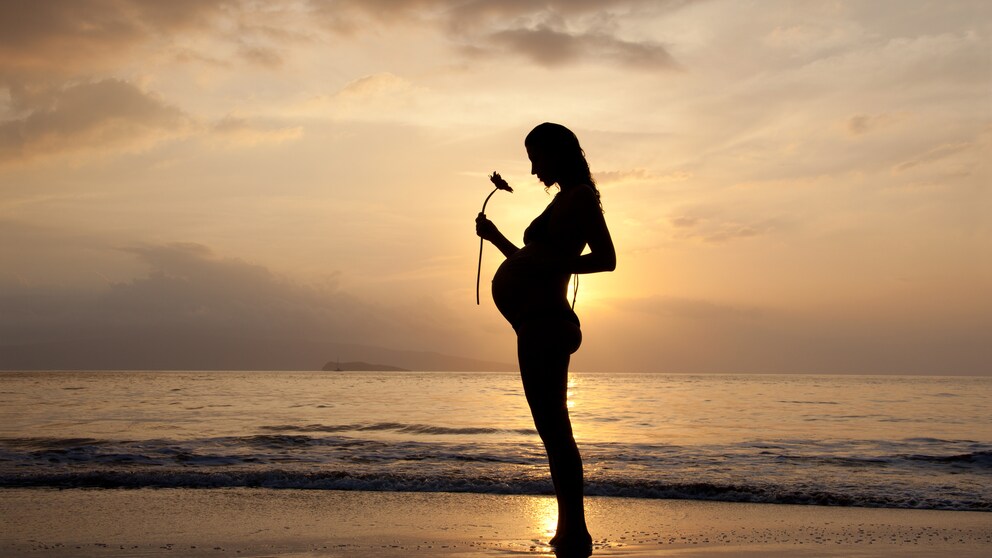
[[47, 47], [262, 56], [933, 155], [475, 14], [374, 86], [90, 116], [933, 62], [240, 132], [684, 221], [719, 230], [112, 114], [188, 288], [640, 175], [549, 33], [188, 284], [75, 37], [553, 47], [194, 308], [372, 97], [861, 124]]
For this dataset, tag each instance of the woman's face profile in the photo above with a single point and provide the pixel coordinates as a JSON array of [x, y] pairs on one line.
[[541, 167]]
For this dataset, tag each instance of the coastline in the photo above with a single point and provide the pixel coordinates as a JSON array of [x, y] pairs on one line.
[[327, 523]]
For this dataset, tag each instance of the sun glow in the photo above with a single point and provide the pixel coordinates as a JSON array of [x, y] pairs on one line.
[[544, 515]]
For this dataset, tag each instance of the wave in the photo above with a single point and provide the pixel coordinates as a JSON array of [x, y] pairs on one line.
[[394, 482], [981, 459], [312, 442], [912, 473], [978, 461]]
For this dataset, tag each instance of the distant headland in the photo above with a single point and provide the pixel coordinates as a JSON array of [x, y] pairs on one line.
[[191, 348], [359, 366]]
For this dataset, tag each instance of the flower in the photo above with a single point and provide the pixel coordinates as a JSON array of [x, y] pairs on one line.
[[498, 181]]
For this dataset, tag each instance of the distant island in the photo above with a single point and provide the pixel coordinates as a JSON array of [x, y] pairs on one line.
[[194, 348], [359, 366]]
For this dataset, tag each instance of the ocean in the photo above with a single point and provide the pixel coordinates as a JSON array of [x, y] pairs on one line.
[[875, 441]]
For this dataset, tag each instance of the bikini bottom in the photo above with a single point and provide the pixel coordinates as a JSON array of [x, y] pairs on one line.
[[555, 328]]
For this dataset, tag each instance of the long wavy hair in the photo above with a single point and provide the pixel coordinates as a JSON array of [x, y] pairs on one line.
[[562, 149]]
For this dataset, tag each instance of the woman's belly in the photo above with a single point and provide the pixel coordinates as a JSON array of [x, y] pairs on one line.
[[527, 284]]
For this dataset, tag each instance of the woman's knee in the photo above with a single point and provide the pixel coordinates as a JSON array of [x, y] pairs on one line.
[[553, 427]]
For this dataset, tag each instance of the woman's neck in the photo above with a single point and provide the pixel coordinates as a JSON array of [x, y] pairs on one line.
[[568, 186]]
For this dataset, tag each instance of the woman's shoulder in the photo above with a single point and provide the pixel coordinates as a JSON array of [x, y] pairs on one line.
[[581, 196], [581, 192]]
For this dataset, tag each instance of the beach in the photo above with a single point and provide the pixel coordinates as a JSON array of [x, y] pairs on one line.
[[331, 523], [162, 463]]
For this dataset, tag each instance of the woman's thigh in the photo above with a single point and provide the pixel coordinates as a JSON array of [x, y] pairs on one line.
[[543, 351]]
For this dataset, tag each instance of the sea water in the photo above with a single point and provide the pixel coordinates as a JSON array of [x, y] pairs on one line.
[[889, 441]]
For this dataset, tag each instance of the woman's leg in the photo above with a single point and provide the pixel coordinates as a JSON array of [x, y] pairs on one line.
[[543, 350]]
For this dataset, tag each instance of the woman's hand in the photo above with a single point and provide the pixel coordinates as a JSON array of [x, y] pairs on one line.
[[486, 229]]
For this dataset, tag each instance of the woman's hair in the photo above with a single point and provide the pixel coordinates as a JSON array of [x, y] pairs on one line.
[[560, 146]]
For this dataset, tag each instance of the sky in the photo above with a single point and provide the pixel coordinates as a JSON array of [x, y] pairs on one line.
[[794, 187]]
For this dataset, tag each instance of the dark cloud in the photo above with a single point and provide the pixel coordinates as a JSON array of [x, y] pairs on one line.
[[861, 124], [62, 39], [55, 52], [54, 57], [551, 47], [195, 309], [262, 56], [473, 13], [88, 116], [542, 45], [550, 33], [75, 37], [189, 285]]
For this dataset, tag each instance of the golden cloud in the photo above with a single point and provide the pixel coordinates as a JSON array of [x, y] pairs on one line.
[[90, 116]]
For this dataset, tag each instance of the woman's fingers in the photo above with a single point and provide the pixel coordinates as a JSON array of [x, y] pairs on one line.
[[484, 227]]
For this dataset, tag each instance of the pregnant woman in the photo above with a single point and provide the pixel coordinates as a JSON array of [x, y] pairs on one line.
[[529, 289]]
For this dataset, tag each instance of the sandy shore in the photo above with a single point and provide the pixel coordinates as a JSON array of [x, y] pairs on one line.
[[286, 523]]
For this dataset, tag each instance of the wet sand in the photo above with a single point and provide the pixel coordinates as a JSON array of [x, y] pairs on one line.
[[287, 523]]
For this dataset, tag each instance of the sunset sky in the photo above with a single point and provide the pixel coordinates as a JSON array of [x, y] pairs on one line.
[[791, 186]]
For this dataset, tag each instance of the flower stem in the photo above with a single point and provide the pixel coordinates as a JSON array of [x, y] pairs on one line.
[[478, 273]]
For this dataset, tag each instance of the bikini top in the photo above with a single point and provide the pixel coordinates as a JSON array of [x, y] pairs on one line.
[[539, 229]]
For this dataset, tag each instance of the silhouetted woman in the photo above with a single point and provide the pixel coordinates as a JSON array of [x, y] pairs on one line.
[[529, 289]]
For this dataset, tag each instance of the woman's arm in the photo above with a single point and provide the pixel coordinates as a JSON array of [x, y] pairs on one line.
[[488, 231], [602, 255]]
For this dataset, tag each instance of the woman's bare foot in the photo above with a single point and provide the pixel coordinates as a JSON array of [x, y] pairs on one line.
[[567, 545]]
